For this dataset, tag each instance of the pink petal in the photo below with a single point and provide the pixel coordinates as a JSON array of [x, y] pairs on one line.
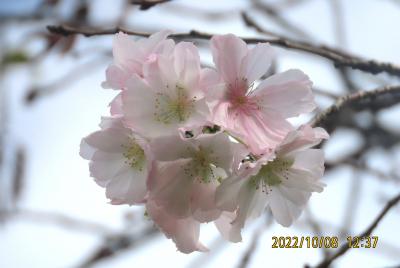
[[302, 138], [203, 201], [184, 232], [116, 77], [125, 52], [170, 187], [257, 62], [116, 105], [288, 93], [187, 64], [228, 52], [261, 132], [163, 151], [311, 160], [225, 227], [128, 187], [138, 105]]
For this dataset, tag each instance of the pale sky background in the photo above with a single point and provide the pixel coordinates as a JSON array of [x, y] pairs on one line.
[[57, 178]]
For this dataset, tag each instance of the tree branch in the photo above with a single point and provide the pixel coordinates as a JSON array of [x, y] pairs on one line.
[[144, 5], [339, 58], [344, 248], [373, 100]]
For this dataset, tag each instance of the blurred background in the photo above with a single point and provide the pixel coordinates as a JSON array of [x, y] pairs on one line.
[[52, 214]]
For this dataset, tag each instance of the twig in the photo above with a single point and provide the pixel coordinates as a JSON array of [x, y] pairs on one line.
[[59, 219], [245, 260], [373, 100], [71, 77], [144, 5], [344, 248], [114, 244], [274, 14], [315, 227], [339, 58]]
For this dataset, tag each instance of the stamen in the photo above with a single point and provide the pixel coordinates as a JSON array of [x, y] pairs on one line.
[[271, 174], [134, 155], [173, 109]]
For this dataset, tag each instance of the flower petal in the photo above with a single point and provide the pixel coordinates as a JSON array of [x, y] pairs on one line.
[[184, 232], [128, 187], [288, 93], [228, 52], [187, 64], [284, 211], [170, 187], [257, 62]]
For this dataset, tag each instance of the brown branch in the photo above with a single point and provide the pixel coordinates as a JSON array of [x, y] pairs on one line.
[[373, 100], [344, 248], [339, 58]]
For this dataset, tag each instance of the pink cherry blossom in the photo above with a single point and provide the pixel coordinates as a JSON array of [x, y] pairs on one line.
[[183, 231], [256, 114], [171, 95], [120, 161], [130, 57], [187, 172], [283, 182]]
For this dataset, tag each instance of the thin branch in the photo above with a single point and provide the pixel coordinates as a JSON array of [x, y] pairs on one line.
[[276, 15], [339, 58], [373, 100], [116, 243], [59, 220], [344, 248], [144, 5], [77, 72]]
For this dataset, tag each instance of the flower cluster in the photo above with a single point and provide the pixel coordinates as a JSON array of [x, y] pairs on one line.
[[196, 145]]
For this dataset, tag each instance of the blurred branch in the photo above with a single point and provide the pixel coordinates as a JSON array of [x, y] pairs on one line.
[[144, 5], [345, 247], [58, 219], [276, 15], [372, 100], [245, 260], [71, 77], [19, 171], [339, 58], [315, 227], [114, 244]]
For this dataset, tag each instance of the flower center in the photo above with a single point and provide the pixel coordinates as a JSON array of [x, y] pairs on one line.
[[271, 174], [173, 108], [134, 155], [201, 167]]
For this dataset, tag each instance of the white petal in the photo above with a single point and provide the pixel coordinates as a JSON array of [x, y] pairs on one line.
[[163, 151], [170, 187], [128, 187], [203, 202], [288, 93], [257, 62], [184, 232], [283, 210]]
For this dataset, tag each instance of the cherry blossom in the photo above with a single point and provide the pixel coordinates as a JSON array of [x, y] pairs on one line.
[[120, 161], [130, 57], [184, 177], [256, 114], [197, 145], [283, 181], [170, 97]]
